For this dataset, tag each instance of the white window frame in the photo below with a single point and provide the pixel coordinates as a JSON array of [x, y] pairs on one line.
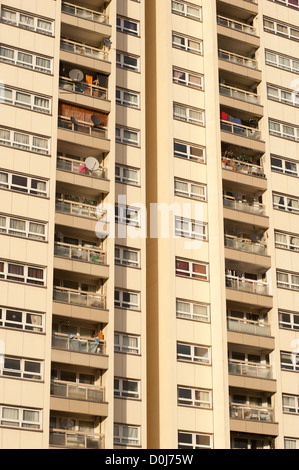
[[21, 371], [278, 95], [186, 80], [283, 168], [193, 444], [194, 400], [186, 43], [278, 61], [123, 28], [13, 100], [193, 355], [120, 302], [188, 153], [36, 26], [284, 203], [189, 191], [121, 392], [24, 324], [291, 443], [192, 314], [120, 438], [120, 176], [289, 284], [289, 361], [121, 62], [186, 116], [9, 185], [20, 422], [27, 233], [188, 228], [291, 324], [285, 130], [185, 10], [119, 345], [290, 409], [122, 260], [122, 100], [123, 215], [190, 273], [25, 277], [34, 63], [277, 26], [11, 141], [287, 3], [287, 244], [121, 138]]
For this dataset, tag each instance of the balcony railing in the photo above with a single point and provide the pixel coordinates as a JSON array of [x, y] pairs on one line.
[[250, 369], [76, 440], [83, 88], [238, 94], [232, 24], [81, 298], [254, 208], [244, 245], [79, 253], [73, 391], [246, 285], [77, 344], [248, 326], [82, 49], [82, 127], [242, 167], [79, 209], [253, 413], [84, 13], [237, 59], [240, 129], [76, 166]]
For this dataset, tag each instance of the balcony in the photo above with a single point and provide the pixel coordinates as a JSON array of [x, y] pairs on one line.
[[74, 172], [75, 440], [250, 369], [242, 244], [82, 88], [246, 285], [83, 50], [238, 411], [78, 344], [73, 391], [242, 166], [80, 298], [84, 13], [237, 59], [82, 127], [79, 253], [240, 130], [254, 208], [79, 209], [248, 326], [239, 94], [236, 25]]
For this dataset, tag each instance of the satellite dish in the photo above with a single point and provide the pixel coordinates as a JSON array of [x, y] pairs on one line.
[[237, 195], [238, 273], [59, 234], [254, 238], [107, 42], [67, 423], [96, 121], [76, 75], [250, 199], [92, 163]]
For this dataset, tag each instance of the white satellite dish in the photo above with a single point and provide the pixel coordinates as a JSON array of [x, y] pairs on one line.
[[76, 75], [92, 163]]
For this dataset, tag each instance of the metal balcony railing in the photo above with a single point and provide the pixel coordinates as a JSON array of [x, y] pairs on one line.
[[84, 13], [237, 59], [81, 298], [254, 208], [74, 391], [248, 326], [76, 166], [79, 253], [246, 285], [83, 88], [250, 369], [68, 123], [244, 245], [243, 167], [240, 130], [83, 49], [76, 440], [79, 209], [77, 344], [253, 413], [239, 94], [237, 25]]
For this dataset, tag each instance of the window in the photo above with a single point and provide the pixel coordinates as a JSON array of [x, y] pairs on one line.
[[186, 43], [185, 9], [191, 115], [192, 311], [125, 343], [290, 443], [24, 184], [126, 299], [125, 25], [290, 404], [193, 353], [127, 175], [127, 136], [125, 388], [190, 189], [27, 21], [288, 320], [287, 280], [22, 319], [289, 361], [282, 62], [282, 95], [24, 141], [23, 228], [281, 29], [127, 215], [288, 3], [127, 256], [288, 131], [190, 79], [23, 99], [287, 241], [22, 368], [191, 269], [26, 59], [20, 417], [126, 435], [189, 151], [284, 166], [22, 273], [127, 98], [194, 397], [192, 440], [127, 62], [285, 203], [190, 229]]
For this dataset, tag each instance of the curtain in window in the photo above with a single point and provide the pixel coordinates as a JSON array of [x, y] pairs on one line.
[[182, 268], [181, 186], [281, 238], [182, 307], [195, 116], [4, 136], [178, 41], [21, 140], [130, 433], [179, 112], [130, 174], [194, 80], [38, 229], [16, 272], [40, 144], [10, 414], [284, 62], [17, 227], [130, 136], [198, 190], [45, 25], [279, 201], [295, 281], [270, 57], [8, 54], [199, 270], [293, 204], [130, 343], [25, 59], [6, 95], [178, 6], [41, 103], [43, 63], [27, 20], [30, 416], [194, 45], [130, 256], [3, 180], [293, 240], [2, 222], [201, 310], [289, 444], [179, 76], [9, 15], [35, 273], [283, 277]]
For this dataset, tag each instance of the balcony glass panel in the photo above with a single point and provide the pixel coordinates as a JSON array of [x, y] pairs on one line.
[[247, 326], [247, 285], [84, 13], [78, 344], [254, 208], [75, 440], [90, 255], [262, 371], [84, 299], [237, 59]]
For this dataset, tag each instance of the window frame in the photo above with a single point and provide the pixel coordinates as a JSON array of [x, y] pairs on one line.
[[121, 27], [188, 154], [12, 142], [187, 116], [185, 43], [192, 315], [120, 100], [121, 261], [28, 189], [31, 106], [23, 325], [21, 423], [25, 277], [120, 439], [120, 178], [193, 357], [121, 139], [193, 444], [36, 19], [34, 63], [279, 59], [21, 372], [123, 304], [194, 401], [292, 325], [190, 273], [185, 12], [27, 233], [120, 392], [189, 193], [122, 215], [121, 61]]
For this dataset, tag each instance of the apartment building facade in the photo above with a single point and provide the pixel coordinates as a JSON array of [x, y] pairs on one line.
[[149, 267]]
